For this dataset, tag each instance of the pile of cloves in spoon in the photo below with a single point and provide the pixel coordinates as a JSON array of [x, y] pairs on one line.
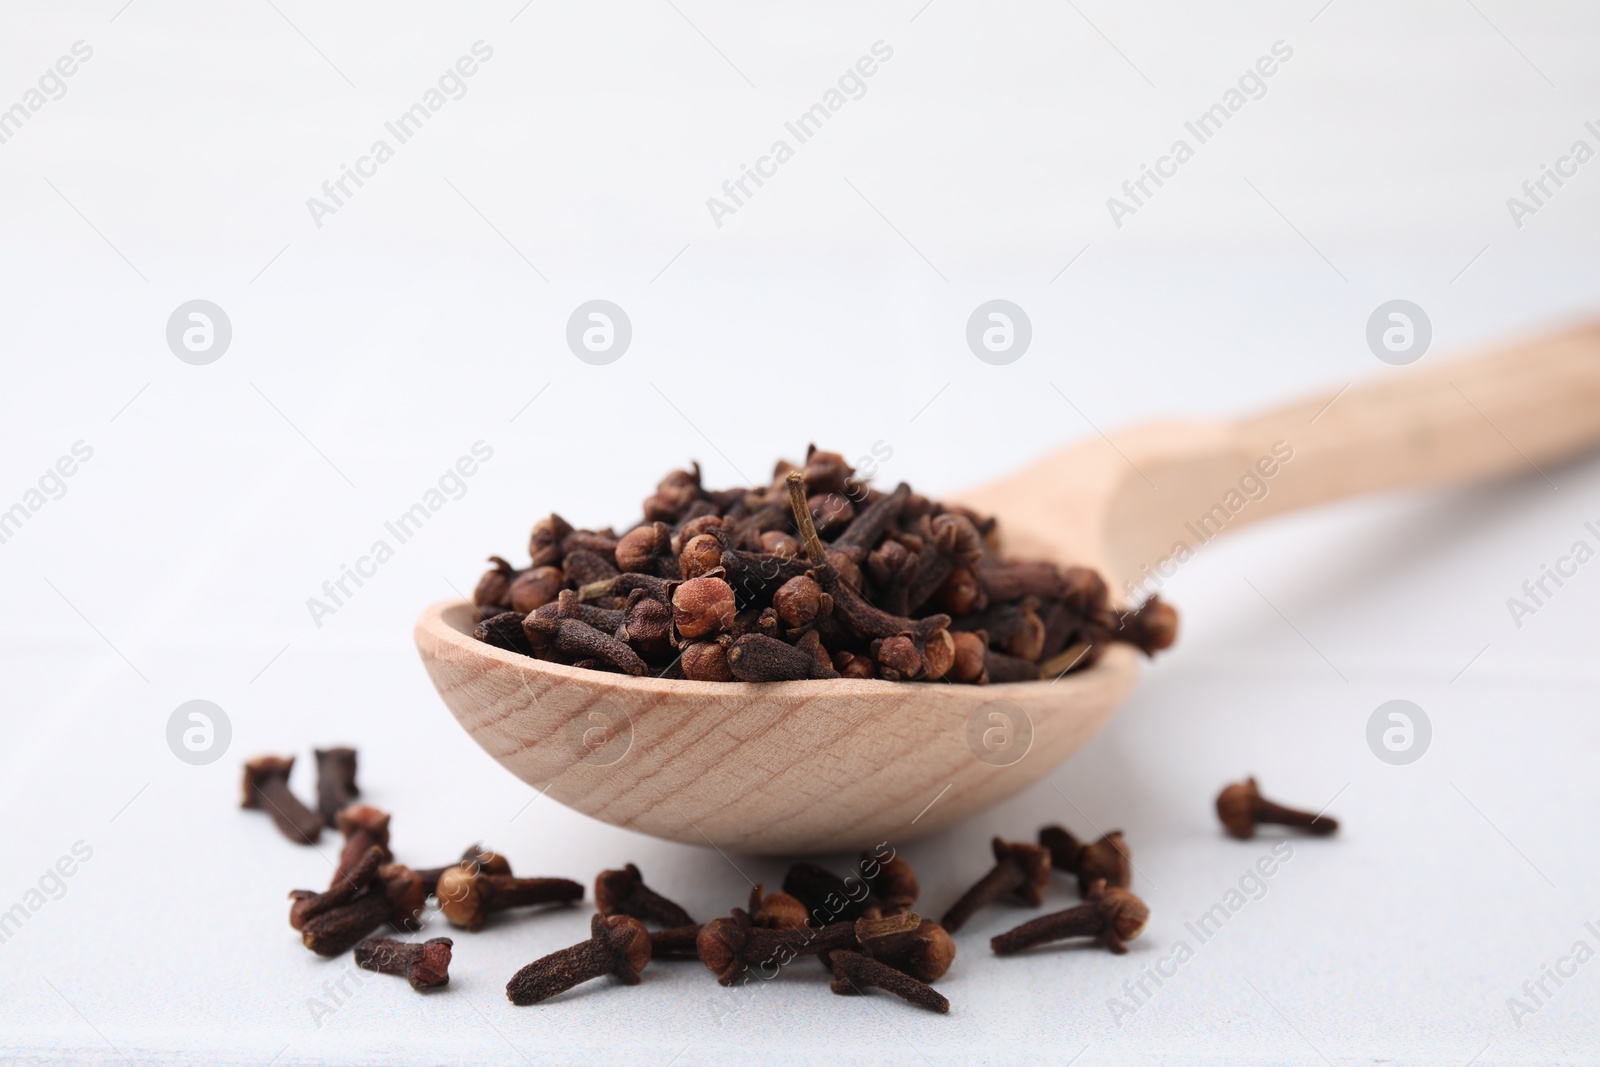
[[861, 927], [814, 575]]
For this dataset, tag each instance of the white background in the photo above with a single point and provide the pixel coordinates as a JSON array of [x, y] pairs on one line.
[[426, 314]]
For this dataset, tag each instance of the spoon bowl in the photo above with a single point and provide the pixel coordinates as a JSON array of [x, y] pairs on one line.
[[819, 766], [779, 767]]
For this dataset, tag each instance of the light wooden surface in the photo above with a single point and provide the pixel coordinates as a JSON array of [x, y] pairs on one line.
[[817, 766]]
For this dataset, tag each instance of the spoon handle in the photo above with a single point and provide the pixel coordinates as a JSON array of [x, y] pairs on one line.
[[1520, 409]]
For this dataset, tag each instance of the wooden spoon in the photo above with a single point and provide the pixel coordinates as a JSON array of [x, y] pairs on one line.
[[798, 767]]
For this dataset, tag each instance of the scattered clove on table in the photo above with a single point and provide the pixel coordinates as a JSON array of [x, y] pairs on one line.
[[425, 965], [1112, 917], [617, 945], [468, 897], [266, 786], [1020, 870], [1105, 859], [861, 927], [1241, 808], [336, 782]]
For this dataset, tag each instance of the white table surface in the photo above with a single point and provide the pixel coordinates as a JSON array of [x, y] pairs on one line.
[[428, 311]]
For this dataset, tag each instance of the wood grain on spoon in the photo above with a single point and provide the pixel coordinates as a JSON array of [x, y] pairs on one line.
[[814, 766]]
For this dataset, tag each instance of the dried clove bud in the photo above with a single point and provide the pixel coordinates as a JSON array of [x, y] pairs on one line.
[[644, 549], [646, 625], [579, 640], [706, 661], [406, 894], [582, 566], [1112, 917], [623, 892], [504, 630], [493, 591], [1152, 627], [778, 543], [569, 605], [1015, 628], [266, 786], [702, 607], [1084, 590], [690, 528], [938, 652], [1013, 581], [363, 827], [962, 593], [831, 512], [622, 585], [1241, 807], [800, 600], [474, 858], [893, 567], [894, 883], [1105, 860], [825, 895], [393, 896], [308, 904], [854, 973], [336, 781], [898, 658], [730, 947], [1002, 668], [969, 661], [776, 911], [334, 932], [857, 542], [826, 472], [850, 665], [758, 658], [535, 587], [544, 544], [701, 555], [1020, 869], [425, 966], [762, 621], [617, 945], [673, 495], [955, 543], [468, 897], [925, 952]]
